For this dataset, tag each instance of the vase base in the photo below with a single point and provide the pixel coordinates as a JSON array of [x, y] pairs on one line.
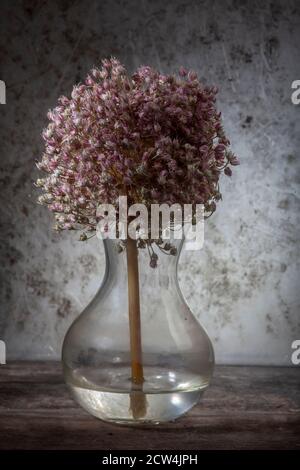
[[108, 393], [136, 407]]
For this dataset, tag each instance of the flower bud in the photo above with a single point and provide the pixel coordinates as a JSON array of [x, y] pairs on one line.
[[153, 263], [182, 72]]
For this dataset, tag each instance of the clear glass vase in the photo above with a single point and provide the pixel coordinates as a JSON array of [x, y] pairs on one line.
[[176, 355]]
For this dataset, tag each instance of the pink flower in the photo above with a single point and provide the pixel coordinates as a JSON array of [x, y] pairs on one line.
[[182, 72], [159, 137], [228, 171]]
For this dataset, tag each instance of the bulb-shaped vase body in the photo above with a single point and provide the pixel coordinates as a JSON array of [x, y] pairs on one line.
[[177, 357]]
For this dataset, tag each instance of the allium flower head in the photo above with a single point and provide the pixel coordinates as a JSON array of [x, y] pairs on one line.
[[155, 138]]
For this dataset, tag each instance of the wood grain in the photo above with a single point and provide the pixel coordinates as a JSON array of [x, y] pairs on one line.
[[245, 408]]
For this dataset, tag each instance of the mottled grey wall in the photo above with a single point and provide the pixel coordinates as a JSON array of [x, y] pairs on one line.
[[244, 285]]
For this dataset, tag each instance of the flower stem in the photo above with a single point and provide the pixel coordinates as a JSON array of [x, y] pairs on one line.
[[137, 397]]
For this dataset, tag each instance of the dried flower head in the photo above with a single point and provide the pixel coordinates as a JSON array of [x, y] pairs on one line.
[[155, 138]]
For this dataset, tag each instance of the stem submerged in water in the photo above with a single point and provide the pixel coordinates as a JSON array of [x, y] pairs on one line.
[[138, 404]]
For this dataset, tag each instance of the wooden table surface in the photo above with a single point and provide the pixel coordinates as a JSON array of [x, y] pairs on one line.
[[244, 408]]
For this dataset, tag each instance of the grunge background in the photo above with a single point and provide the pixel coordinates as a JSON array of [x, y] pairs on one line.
[[244, 284]]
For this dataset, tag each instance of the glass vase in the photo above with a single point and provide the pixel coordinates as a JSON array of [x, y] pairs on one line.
[[145, 366]]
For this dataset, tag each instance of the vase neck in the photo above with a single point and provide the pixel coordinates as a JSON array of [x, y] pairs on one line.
[[166, 257]]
